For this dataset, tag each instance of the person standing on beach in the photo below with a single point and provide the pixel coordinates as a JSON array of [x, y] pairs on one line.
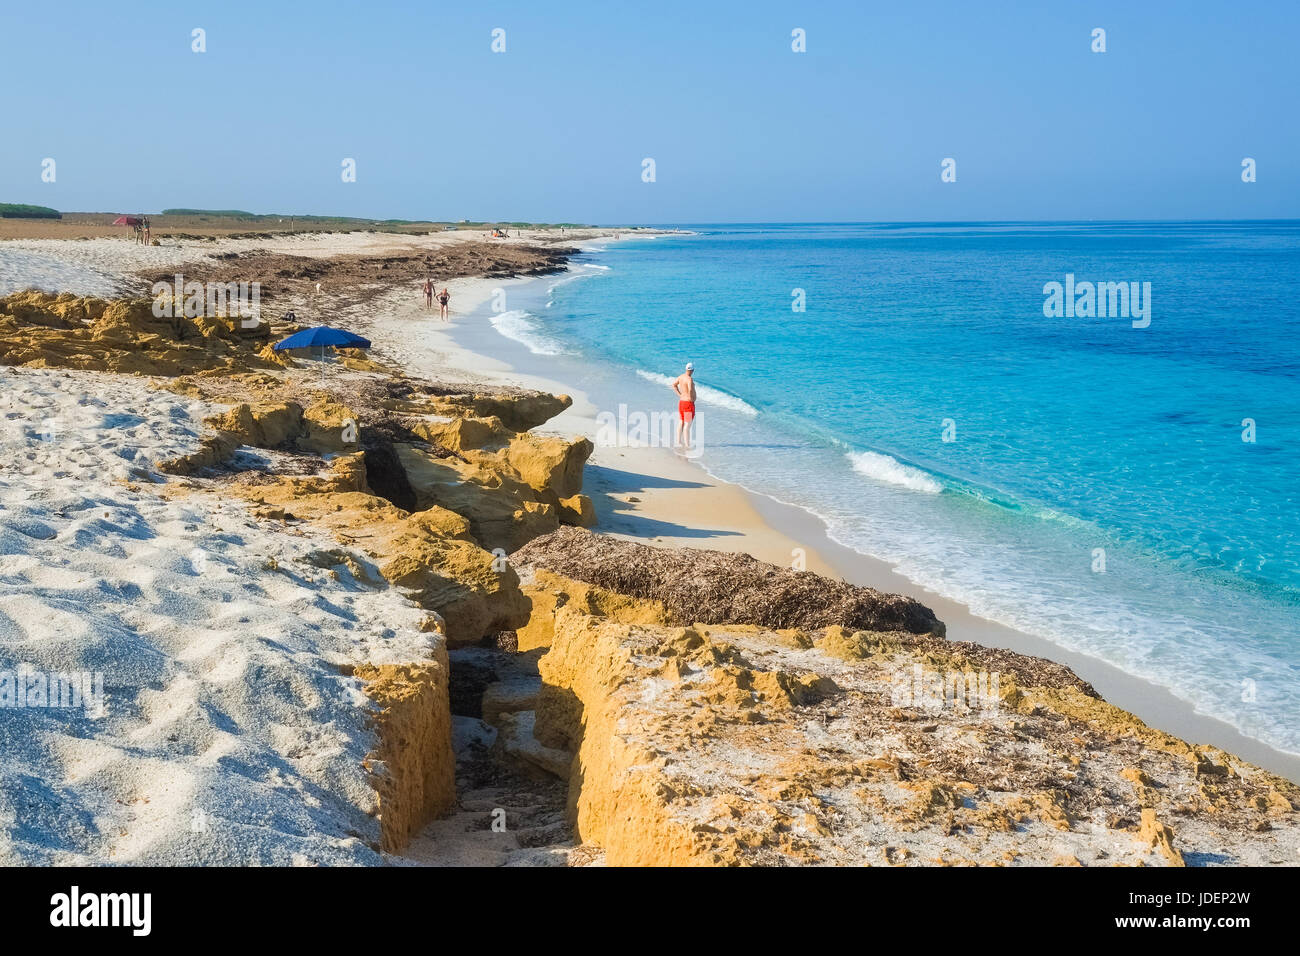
[[428, 293], [684, 386], [444, 297]]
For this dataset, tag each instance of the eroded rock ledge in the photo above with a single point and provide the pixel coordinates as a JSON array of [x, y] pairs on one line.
[[736, 743], [714, 586]]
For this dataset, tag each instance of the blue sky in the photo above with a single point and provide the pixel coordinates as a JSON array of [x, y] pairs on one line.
[[740, 127]]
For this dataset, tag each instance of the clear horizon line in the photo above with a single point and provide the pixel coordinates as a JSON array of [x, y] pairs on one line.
[[935, 222]]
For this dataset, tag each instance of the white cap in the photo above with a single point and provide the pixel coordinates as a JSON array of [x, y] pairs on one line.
[[690, 366]]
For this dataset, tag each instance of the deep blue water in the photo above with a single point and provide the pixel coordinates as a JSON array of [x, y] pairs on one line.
[[1069, 435]]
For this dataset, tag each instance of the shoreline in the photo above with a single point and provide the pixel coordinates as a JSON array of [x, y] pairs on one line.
[[639, 495], [459, 675]]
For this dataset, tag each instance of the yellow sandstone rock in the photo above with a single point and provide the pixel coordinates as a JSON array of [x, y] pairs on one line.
[[461, 434], [549, 591], [501, 510], [41, 330], [578, 511], [541, 619], [850, 646], [552, 467], [330, 428], [413, 766], [518, 412], [428, 552], [264, 426], [1159, 837], [732, 744]]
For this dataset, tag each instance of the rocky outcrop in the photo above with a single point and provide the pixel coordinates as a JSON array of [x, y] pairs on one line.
[[462, 434], [510, 496], [428, 448], [713, 587], [429, 553], [63, 311], [474, 590], [329, 428], [323, 428], [503, 512], [413, 767], [265, 426], [742, 745], [213, 451], [519, 411], [551, 467], [548, 592], [42, 330], [578, 511], [444, 522]]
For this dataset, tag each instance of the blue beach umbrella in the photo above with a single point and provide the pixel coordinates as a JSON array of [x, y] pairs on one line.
[[324, 337]]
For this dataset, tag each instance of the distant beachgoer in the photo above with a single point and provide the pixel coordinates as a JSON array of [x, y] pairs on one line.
[[428, 293], [444, 297], [147, 238], [684, 386]]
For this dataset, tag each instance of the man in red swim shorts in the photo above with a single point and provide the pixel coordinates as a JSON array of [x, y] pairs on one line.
[[684, 386]]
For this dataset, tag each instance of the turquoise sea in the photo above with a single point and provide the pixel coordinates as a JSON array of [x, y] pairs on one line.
[[1127, 492]]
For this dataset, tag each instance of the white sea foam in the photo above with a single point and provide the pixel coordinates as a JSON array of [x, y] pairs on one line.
[[707, 395], [520, 326], [584, 271], [893, 472], [1030, 581]]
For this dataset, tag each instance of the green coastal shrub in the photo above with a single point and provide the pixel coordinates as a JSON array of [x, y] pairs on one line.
[[17, 210], [227, 213]]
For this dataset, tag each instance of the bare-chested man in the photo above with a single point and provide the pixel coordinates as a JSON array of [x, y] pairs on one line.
[[684, 386]]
